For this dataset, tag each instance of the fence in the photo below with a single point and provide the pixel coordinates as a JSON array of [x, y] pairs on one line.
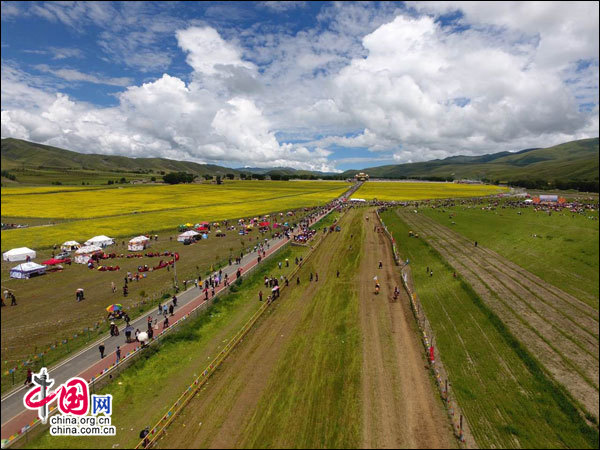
[[191, 391], [459, 423]]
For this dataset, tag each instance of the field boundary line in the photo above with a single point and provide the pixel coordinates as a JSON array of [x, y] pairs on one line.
[[458, 420], [193, 389]]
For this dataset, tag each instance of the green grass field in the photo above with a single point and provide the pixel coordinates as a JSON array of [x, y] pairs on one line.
[[135, 210], [404, 191], [507, 398], [563, 253], [314, 391], [146, 390]]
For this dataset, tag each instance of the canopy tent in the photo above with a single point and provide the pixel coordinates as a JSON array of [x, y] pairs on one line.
[[27, 270], [82, 256], [101, 241], [138, 243], [187, 235], [18, 254], [264, 224], [69, 246]]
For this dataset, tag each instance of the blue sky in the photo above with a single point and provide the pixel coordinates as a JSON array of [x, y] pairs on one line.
[[316, 85]]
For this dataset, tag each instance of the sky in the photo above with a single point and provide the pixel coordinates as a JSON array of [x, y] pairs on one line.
[[310, 85]]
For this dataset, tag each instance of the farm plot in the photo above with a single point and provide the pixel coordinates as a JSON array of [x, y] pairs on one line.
[[404, 191], [175, 206], [507, 397], [559, 329]]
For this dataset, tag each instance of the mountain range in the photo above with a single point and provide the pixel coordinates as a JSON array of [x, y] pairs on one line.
[[573, 161]]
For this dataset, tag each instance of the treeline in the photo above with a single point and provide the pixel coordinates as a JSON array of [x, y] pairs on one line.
[[564, 185], [10, 176], [179, 177]]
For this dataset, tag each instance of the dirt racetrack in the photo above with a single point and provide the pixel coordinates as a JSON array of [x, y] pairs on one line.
[[400, 408], [560, 330], [241, 405]]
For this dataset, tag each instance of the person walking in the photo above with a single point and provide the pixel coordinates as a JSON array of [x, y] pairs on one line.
[[101, 348], [260, 294], [316, 277], [113, 287], [159, 308], [175, 301], [311, 276], [29, 377], [118, 352], [149, 322], [171, 309], [337, 275], [13, 299], [297, 280], [475, 243], [165, 309], [166, 322]]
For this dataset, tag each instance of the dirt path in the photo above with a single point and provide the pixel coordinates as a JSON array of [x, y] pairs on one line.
[[216, 417], [400, 408], [556, 327]]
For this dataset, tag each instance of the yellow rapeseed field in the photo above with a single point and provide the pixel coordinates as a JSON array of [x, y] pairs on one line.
[[405, 191], [89, 203], [151, 209]]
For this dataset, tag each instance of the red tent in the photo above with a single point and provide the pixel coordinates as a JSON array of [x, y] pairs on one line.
[[54, 261]]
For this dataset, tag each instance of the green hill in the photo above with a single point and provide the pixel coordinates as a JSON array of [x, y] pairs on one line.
[[568, 162], [43, 164]]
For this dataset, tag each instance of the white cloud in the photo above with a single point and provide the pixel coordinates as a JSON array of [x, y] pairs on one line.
[[76, 75], [208, 52], [380, 77]]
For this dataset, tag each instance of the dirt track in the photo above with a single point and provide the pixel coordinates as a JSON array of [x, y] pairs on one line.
[[400, 408], [560, 330]]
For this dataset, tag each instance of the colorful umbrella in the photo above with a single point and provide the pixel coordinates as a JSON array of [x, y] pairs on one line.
[[116, 307]]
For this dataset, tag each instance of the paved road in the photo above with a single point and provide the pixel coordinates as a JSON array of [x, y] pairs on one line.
[[87, 363]]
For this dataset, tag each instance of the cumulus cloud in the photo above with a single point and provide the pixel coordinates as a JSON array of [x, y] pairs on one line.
[[396, 81]]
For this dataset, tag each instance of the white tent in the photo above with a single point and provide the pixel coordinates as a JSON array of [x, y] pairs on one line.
[[70, 246], [187, 235], [101, 241], [82, 256], [18, 254], [138, 243], [27, 270]]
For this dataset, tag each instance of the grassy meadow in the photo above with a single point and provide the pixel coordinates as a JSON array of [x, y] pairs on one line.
[[135, 210], [406, 191], [503, 391], [563, 252]]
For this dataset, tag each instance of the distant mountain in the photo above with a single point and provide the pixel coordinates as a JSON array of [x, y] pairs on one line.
[[283, 171], [17, 153], [571, 161]]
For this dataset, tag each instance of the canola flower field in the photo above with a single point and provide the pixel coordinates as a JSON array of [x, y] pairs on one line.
[[406, 191], [133, 210]]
